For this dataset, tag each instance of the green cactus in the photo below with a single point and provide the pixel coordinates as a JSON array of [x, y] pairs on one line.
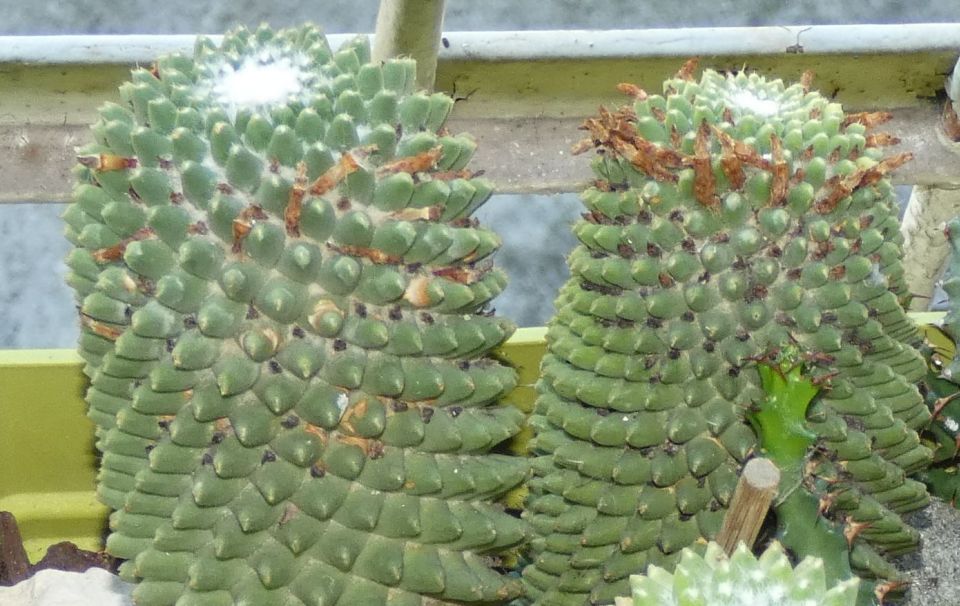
[[943, 382], [731, 216], [283, 305], [785, 438], [716, 580]]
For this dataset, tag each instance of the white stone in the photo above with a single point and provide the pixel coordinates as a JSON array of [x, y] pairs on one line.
[[95, 587]]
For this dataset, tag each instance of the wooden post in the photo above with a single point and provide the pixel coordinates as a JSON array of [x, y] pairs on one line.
[[410, 28], [748, 507]]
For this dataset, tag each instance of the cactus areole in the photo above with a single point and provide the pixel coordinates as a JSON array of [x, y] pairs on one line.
[[731, 217], [283, 299]]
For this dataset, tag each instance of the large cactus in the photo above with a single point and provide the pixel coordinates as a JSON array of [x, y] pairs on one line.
[[731, 216], [283, 305]]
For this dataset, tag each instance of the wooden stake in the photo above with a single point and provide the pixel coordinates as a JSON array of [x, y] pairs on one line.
[[410, 28], [748, 507]]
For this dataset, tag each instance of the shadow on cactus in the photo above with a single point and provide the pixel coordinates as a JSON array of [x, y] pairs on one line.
[[731, 217], [283, 300]]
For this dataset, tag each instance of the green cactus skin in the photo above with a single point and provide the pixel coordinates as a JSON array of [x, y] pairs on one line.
[[716, 580], [283, 303], [780, 423], [731, 216]]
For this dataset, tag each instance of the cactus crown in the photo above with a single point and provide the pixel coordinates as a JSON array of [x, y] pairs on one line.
[[742, 579], [283, 301], [260, 78]]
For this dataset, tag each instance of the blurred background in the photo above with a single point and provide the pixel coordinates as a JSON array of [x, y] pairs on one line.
[[35, 305]]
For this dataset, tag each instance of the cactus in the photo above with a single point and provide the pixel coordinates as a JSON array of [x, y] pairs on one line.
[[785, 437], [283, 300], [943, 382], [731, 216], [715, 580]]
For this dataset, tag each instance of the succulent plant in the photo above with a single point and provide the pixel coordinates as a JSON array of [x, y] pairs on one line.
[[943, 381], [283, 300], [716, 580], [786, 439], [731, 216]]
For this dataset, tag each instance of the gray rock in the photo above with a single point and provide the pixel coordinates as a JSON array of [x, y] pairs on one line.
[[934, 570]]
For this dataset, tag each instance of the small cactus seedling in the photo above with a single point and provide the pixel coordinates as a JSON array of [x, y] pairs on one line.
[[808, 481], [283, 305], [731, 217], [713, 579]]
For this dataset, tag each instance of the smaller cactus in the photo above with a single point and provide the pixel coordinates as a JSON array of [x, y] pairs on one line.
[[716, 580]]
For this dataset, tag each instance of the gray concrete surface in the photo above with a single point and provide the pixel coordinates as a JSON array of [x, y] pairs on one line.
[[934, 571]]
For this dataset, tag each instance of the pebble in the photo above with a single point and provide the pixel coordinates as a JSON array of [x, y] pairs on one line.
[[95, 587]]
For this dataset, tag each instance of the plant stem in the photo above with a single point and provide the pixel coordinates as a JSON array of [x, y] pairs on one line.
[[781, 425]]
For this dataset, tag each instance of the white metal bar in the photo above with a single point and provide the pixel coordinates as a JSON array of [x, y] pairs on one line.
[[687, 42], [545, 45]]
